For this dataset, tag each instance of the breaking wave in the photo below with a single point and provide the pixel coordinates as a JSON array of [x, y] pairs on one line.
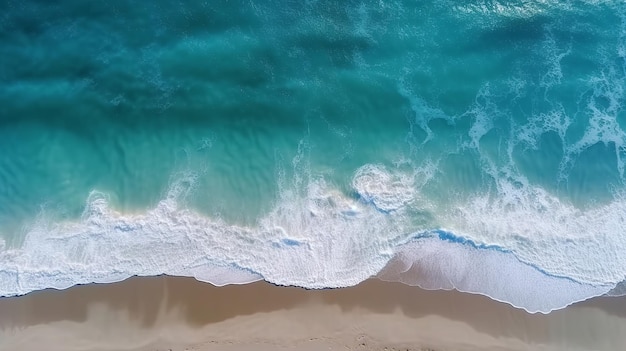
[[322, 237]]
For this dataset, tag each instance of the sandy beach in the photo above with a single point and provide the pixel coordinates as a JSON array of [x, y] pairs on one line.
[[169, 313]]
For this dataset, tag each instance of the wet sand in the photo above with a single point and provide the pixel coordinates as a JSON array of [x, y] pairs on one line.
[[163, 313]]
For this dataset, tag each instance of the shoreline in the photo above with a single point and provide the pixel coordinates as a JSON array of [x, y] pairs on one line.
[[164, 312]]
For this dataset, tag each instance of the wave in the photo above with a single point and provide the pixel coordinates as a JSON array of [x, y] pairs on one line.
[[318, 239], [444, 261], [538, 257]]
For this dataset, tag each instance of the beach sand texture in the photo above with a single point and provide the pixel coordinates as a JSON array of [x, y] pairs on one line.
[[170, 313]]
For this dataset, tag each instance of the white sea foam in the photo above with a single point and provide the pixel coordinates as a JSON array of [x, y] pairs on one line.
[[483, 112], [604, 107], [423, 112], [388, 192], [508, 9], [585, 245], [538, 124], [554, 55], [322, 239]]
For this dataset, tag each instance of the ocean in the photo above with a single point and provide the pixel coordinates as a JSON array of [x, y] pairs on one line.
[[474, 145]]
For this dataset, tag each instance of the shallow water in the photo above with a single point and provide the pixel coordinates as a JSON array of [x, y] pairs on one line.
[[310, 143]]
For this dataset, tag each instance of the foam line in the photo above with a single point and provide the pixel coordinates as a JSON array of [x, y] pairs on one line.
[[340, 242], [323, 238]]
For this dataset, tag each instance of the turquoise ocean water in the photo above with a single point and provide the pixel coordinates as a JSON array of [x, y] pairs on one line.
[[476, 145]]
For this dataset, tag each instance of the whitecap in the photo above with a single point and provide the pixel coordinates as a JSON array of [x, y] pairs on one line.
[[387, 191], [319, 240], [320, 237]]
